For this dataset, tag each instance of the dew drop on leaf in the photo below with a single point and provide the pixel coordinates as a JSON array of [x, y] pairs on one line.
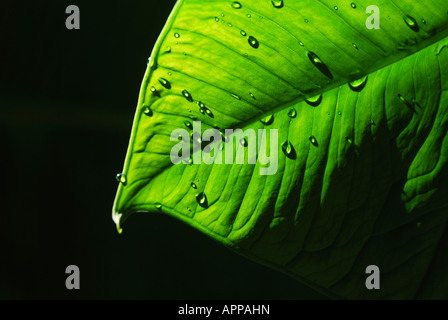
[[336, 8], [244, 142], [187, 95], [147, 111], [159, 206], [355, 46], [253, 42], [193, 185], [358, 84], [188, 124], [177, 35], [235, 96], [121, 177], [353, 5], [165, 83], [277, 3], [292, 113], [314, 101], [315, 60], [288, 150], [411, 23], [243, 33], [201, 198], [248, 15], [313, 141], [236, 5], [216, 19], [252, 96], [268, 120]]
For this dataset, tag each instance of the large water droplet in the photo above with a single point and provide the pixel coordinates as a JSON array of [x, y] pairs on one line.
[[336, 8], [188, 124], [314, 101], [289, 150], [165, 83], [313, 141], [187, 95], [277, 3], [236, 5], [253, 42], [353, 5], [292, 113], [268, 120], [319, 64], [201, 198], [411, 23], [358, 84]]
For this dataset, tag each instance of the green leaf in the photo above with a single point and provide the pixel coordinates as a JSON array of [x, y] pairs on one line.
[[362, 120]]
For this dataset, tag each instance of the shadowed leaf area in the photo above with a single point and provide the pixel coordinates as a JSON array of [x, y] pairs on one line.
[[362, 145]]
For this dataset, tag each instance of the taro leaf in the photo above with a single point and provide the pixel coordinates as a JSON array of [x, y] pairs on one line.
[[362, 169]]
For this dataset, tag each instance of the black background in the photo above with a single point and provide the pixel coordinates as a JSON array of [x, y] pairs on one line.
[[67, 100]]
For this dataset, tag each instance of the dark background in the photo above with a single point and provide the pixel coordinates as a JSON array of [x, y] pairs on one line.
[[67, 100]]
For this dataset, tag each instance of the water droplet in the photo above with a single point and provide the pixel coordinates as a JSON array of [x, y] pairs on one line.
[[289, 150], [235, 96], [353, 5], [209, 113], [423, 21], [319, 64], [168, 49], [248, 15], [355, 46], [411, 23], [170, 74], [216, 19], [336, 8], [223, 135], [314, 101], [165, 83], [188, 124], [372, 123], [243, 33], [187, 95], [155, 92], [244, 142], [159, 206], [176, 35], [222, 14], [340, 113], [188, 209], [252, 95], [301, 43], [268, 120], [121, 177], [147, 111], [306, 20], [313, 141], [407, 103], [236, 5], [253, 42], [358, 84], [201, 198], [277, 3], [292, 113], [193, 185], [148, 61], [350, 141], [229, 24]]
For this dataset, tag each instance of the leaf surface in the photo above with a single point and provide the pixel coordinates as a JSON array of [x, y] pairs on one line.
[[362, 167]]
